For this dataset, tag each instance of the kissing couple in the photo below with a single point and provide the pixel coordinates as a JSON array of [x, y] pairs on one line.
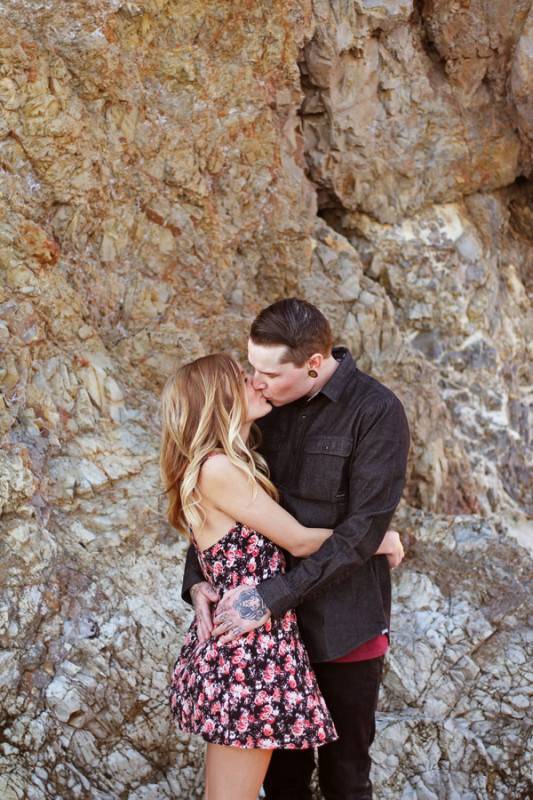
[[285, 479]]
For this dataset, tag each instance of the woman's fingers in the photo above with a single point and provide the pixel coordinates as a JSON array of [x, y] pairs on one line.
[[203, 633], [395, 558], [205, 627]]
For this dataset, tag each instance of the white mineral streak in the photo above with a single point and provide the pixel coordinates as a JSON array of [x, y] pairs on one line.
[[167, 169]]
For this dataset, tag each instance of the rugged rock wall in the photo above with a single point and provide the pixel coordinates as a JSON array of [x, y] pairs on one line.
[[167, 169]]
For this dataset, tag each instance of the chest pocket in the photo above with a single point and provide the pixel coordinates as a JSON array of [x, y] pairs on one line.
[[324, 468]]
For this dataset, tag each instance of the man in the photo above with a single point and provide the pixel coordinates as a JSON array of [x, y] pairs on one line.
[[336, 443]]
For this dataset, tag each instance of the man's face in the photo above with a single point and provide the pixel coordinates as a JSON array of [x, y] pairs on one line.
[[279, 383]]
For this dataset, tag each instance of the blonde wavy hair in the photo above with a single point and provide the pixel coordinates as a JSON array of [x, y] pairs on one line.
[[203, 408]]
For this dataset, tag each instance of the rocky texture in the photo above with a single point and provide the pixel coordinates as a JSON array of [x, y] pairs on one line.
[[406, 103], [458, 686], [453, 273], [167, 169]]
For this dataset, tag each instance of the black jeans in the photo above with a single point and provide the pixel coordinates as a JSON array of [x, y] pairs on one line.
[[351, 694]]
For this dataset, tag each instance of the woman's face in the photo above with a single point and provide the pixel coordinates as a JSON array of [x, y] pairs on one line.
[[257, 406]]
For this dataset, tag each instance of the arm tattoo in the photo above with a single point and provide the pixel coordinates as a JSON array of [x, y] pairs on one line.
[[250, 605]]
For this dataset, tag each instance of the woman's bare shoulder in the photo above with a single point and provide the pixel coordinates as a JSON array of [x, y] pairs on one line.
[[216, 467]]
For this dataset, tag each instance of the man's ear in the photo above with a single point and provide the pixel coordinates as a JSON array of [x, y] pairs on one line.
[[315, 361]]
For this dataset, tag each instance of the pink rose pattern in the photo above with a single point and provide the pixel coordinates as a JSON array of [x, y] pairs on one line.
[[259, 690]]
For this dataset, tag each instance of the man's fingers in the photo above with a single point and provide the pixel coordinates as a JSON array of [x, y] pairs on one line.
[[223, 627], [232, 634], [224, 604], [220, 616]]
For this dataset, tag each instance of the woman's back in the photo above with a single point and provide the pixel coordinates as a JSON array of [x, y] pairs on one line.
[[240, 556], [216, 522]]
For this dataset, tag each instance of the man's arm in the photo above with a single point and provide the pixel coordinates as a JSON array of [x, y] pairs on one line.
[[191, 574], [377, 477]]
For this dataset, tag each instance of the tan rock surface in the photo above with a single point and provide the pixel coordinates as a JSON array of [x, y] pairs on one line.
[[161, 167], [405, 103]]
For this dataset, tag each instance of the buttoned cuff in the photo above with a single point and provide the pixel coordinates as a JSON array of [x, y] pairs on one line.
[[276, 595]]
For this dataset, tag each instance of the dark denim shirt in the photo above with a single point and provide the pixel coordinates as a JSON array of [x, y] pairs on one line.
[[338, 461]]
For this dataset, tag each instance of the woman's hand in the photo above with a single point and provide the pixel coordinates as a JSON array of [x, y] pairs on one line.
[[241, 610], [391, 547], [203, 598]]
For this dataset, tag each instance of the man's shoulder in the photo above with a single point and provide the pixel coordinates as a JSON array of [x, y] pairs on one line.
[[374, 388], [370, 391], [358, 387], [372, 405]]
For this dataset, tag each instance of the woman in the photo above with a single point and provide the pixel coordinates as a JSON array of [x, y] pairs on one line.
[[257, 692]]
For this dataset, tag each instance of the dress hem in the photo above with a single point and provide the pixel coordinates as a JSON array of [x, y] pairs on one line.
[[275, 746]]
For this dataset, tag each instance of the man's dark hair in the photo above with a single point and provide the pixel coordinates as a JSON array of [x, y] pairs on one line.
[[298, 325]]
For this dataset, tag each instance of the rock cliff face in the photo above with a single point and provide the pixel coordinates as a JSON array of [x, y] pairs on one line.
[[169, 168]]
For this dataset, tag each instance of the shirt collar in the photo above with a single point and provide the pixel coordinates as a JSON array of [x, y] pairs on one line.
[[335, 386]]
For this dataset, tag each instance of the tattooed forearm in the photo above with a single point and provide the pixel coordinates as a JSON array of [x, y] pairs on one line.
[[250, 605]]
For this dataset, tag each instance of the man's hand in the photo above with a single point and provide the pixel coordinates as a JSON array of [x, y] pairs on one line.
[[391, 547], [203, 597], [240, 610]]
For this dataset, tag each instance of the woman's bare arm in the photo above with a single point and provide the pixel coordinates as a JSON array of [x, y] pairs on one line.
[[228, 488]]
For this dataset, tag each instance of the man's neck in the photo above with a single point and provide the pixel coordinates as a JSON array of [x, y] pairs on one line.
[[329, 365]]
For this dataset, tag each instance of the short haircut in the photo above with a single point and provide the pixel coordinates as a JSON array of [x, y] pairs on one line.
[[298, 325]]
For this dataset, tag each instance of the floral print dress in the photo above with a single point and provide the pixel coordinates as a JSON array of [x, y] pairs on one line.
[[258, 691]]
